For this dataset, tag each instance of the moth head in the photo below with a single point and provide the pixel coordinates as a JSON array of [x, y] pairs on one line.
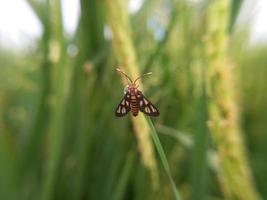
[[132, 88]]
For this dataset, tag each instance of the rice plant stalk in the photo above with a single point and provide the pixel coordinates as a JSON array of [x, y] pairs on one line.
[[81, 103], [235, 174], [40, 121], [58, 108], [201, 142], [118, 20]]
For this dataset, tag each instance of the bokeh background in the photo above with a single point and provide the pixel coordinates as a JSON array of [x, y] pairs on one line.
[[59, 137]]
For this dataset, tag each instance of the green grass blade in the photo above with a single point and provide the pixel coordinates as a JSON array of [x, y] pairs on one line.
[[163, 158], [199, 166], [183, 138]]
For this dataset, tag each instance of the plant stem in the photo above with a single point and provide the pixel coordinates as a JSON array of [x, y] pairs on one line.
[[118, 20], [56, 133], [163, 157], [235, 173]]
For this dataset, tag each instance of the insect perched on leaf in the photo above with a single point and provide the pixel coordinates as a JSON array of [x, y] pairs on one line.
[[134, 100]]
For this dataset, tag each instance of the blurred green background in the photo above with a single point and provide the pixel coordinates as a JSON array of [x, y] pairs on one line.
[[60, 139]]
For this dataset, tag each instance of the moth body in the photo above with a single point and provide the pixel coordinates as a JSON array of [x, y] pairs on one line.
[[132, 89]]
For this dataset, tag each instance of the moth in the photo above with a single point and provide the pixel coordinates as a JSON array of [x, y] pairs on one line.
[[134, 100]]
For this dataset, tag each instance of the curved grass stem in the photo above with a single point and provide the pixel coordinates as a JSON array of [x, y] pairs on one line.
[[163, 157]]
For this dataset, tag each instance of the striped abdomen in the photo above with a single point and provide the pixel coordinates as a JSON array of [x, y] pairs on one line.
[[134, 105]]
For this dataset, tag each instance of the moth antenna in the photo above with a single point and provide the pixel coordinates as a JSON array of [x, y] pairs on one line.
[[128, 78], [146, 74]]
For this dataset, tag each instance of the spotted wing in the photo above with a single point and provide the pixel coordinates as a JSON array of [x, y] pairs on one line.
[[146, 106], [124, 106]]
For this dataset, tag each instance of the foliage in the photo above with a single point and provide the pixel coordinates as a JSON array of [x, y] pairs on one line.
[[60, 138]]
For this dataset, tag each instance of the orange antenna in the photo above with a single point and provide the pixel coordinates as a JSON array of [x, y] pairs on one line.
[[149, 73], [128, 78]]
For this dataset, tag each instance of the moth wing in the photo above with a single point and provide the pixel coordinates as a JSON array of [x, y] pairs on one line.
[[146, 106], [124, 106]]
